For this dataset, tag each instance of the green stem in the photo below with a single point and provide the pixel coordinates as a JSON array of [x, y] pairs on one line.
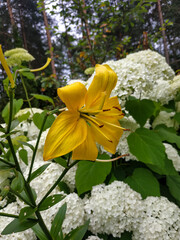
[[17, 166], [36, 147], [8, 163], [57, 181], [26, 93], [9, 215], [20, 197]]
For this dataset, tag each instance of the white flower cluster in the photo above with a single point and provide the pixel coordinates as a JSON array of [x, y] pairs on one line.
[[160, 220], [172, 154], [165, 118], [94, 238], [144, 74], [112, 209]]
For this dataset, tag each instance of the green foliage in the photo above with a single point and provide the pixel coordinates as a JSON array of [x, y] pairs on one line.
[[144, 182], [18, 183], [39, 171], [39, 233], [78, 233], [50, 201], [24, 156], [56, 227], [43, 98], [17, 104], [90, 174], [168, 134], [18, 226], [141, 110], [38, 119]]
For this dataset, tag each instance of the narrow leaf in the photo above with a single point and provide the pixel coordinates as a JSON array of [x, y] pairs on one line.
[[39, 233], [18, 226], [78, 233], [26, 212], [50, 201], [58, 221], [44, 98], [24, 156], [39, 171]]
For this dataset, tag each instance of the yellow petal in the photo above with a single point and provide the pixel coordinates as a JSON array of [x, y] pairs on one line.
[[73, 95], [108, 136], [104, 81], [67, 133], [112, 108], [87, 150], [6, 68], [43, 67]]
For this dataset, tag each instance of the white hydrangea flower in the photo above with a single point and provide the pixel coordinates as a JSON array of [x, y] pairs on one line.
[[173, 155], [94, 238], [14, 208], [160, 220], [142, 75], [164, 118], [74, 214], [176, 83], [112, 209]]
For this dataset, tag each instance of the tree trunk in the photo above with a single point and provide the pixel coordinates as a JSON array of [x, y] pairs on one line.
[[163, 31], [49, 40], [10, 13]]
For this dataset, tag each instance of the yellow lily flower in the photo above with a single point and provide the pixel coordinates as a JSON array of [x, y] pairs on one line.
[[91, 116], [6, 68]]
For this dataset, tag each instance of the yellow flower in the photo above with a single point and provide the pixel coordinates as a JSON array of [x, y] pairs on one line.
[[6, 68], [91, 116]]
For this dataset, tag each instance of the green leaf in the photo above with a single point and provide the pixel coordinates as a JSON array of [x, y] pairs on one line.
[[24, 156], [61, 161], [144, 182], [18, 183], [17, 104], [18, 226], [26, 212], [146, 145], [177, 117], [167, 134], [56, 228], [173, 183], [27, 144], [24, 117], [89, 174], [44, 98], [38, 120], [78, 233], [29, 75], [141, 110], [39, 233], [17, 141], [50, 201], [64, 187], [38, 172]]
